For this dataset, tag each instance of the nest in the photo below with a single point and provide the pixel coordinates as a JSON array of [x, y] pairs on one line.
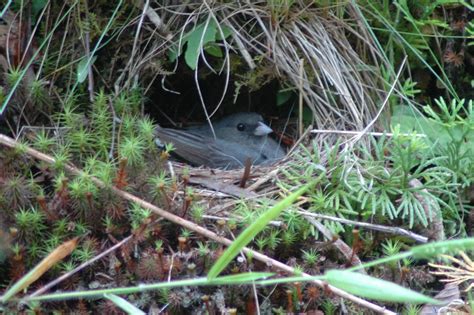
[[306, 48]]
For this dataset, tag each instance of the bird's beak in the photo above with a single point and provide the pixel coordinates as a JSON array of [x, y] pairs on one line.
[[262, 130]]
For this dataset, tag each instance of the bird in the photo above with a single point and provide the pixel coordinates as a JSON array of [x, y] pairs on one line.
[[236, 138]]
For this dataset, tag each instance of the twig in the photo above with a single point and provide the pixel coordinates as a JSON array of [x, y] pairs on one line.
[[114, 126], [345, 249], [150, 13], [385, 102], [262, 180], [377, 227], [361, 133], [246, 174], [300, 139], [300, 99], [9, 142], [214, 217], [228, 189], [243, 50]]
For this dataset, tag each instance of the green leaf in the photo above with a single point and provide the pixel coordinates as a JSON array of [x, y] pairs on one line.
[[209, 35], [203, 34], [82, 68], [126, 306], [307, 116], [373, 288], [177, 49], [243, 278], [226, 31], [433, 22], [173, 53], [249, 233], [283, 96], [446, 247], [410, 120], [214, 50], [37, 6]]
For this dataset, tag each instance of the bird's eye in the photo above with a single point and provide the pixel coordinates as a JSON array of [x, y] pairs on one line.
[[240, 127]]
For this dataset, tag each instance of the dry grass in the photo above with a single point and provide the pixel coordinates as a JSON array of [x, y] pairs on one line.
[[306, 48]]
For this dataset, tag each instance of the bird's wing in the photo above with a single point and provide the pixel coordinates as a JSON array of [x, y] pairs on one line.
[[187, 145], [229, 155], [202, 150], [199, 149]]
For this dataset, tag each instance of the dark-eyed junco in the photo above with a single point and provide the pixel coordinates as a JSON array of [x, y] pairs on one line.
[[237, 138]]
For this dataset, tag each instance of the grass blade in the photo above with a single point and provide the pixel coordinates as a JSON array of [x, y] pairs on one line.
[[249, 233]]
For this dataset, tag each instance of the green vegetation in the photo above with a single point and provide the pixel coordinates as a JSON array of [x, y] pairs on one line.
[[85, 84]]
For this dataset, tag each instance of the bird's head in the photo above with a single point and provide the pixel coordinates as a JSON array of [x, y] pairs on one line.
[[242, 125]]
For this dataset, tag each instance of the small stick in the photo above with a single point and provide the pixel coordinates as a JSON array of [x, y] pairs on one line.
[[213, 217], [246, 174], [300, 101], [361, 133], [376, 227]]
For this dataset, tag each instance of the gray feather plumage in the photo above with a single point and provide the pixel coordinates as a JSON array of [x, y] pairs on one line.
[[230, 148]]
